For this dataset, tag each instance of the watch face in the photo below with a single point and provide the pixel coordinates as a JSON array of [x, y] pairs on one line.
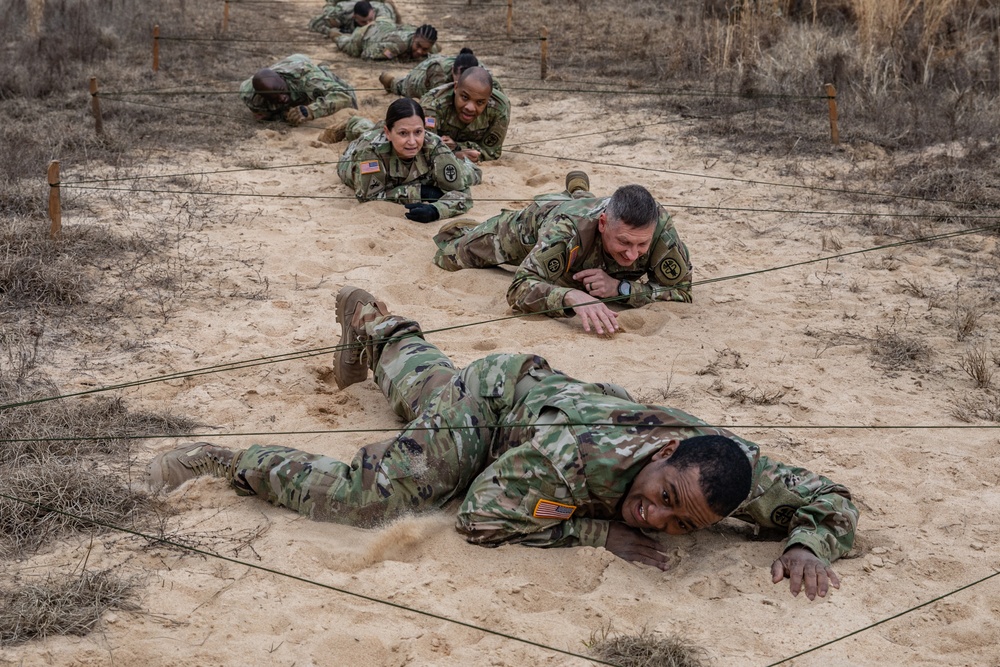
[[624, 288]]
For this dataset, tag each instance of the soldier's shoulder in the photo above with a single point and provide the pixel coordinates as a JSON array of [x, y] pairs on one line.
[[435, 96], [499, 101]]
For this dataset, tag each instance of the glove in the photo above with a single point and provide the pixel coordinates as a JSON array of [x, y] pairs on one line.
[[298, 114], [421, 212], [430, 193]]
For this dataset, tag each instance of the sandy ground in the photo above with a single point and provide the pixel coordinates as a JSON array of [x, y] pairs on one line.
[[261, 278]]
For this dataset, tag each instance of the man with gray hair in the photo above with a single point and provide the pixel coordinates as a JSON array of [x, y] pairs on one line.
[[574, 249]]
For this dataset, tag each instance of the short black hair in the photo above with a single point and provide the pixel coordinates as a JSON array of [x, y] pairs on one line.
[[464, 60], [724, 470], [404, 107], [363, 8], [428, 32], [633, 205]]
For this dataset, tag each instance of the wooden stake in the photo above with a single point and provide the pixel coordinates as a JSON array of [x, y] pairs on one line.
[[156, 48], [55, 207], [95, 106], [225, 15], [831, 97], [510, 17], [545, 52]]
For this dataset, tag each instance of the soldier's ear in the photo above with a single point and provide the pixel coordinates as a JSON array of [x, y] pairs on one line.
[[666, 450], [602, 222]]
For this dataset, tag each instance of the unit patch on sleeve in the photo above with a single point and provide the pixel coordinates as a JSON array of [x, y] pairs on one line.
[[492, 140], [370, 167], [670, 269], [450, 173], [550, 509]]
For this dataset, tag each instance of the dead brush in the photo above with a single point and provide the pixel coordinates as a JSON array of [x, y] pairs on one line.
[[965, 318], [48, 497], [757, 396], [976, 364], [646, 649], [62, 605], [894, 351], [983, 406]]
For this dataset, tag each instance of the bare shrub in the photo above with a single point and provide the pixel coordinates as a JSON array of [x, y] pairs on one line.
[[61, 605], [757, 396], [893, 350], [966, 317], [646, 650], [979, 406], [724, 358], [976, 364]]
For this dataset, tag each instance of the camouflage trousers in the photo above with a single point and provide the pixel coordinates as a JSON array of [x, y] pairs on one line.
[[503, 239], [428, 464]]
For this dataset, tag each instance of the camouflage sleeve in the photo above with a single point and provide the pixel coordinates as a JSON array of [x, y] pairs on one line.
[[361, 169], [353, 44], [502, 503], [492, 144], [454, 176], [328, 92], [325, 21], [817, 513], [387, 47], [669, 275], [534, 286]]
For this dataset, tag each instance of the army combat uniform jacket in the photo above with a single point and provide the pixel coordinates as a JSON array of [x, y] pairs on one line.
[[539, 457], [379, 40], [371, 167], [339, 16], [485, 134], [311, 85], [556, 237]]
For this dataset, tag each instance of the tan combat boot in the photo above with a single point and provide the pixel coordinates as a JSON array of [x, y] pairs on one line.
[[387, 80], [577, 180], [349, 363], [337, 129], [170, 469]]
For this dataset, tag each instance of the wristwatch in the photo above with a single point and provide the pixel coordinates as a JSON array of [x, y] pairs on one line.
[[624, 288]]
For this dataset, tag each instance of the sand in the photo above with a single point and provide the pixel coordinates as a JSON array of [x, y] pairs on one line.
[[261, 278]]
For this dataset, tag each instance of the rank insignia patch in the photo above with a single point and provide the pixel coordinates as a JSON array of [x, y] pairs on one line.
[[550, 509], [370, 167]]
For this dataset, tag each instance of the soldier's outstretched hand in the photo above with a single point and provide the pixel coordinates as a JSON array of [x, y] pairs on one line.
[[804, 569], [631, 545], [592, 312], [598, 283]]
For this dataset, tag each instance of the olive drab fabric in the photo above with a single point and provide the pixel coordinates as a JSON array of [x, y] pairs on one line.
[[546, 466], [554, 238], [485, 134], [372, 169], [339, 16], [309, 84]]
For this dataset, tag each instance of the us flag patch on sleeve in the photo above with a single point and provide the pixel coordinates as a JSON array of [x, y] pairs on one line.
[[550, 509], [370, 167], [430, 122]]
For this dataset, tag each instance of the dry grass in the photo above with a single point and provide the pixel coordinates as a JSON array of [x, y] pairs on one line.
[[976, 364], [893, 351], [61, 605], [757, 396], [646, 650]]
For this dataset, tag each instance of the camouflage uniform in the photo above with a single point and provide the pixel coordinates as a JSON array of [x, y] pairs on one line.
[[556, 237], [370, 166], [433, 72], [311, 85], [485, 134], [340, 16], [520, 453], [379, 40]]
